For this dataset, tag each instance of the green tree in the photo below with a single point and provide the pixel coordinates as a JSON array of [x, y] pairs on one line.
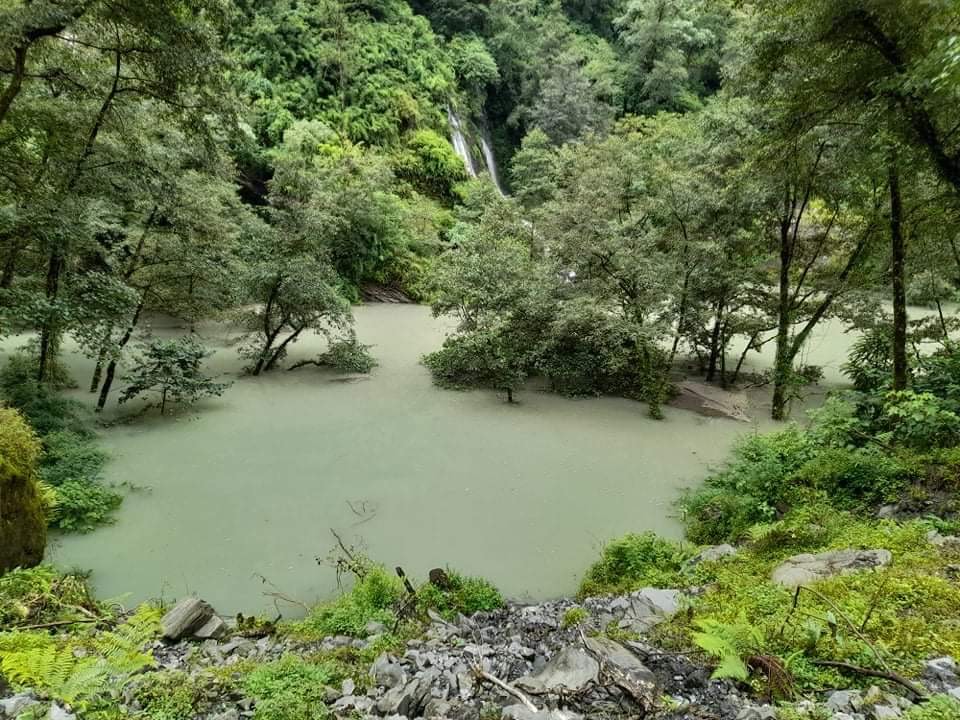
[[172, 369]]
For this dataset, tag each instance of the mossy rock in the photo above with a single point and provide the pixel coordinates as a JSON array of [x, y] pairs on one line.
[[23, 522]]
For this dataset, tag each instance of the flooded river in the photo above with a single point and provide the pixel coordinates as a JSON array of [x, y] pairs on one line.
[[237, 497]]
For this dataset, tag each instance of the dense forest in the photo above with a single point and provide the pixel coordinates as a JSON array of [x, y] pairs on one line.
[[600, 198]]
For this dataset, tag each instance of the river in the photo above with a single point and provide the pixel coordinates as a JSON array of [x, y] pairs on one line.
[[236, 498]]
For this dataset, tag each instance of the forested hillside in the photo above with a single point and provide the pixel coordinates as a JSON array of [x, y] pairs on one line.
[[657, 201]]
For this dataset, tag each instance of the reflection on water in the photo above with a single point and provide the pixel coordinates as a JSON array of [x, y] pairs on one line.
[[248, 486]]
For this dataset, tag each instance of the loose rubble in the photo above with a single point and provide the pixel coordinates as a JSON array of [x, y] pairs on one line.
[[519, 663]]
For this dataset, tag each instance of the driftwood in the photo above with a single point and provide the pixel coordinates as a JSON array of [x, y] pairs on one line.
[[482, 674]]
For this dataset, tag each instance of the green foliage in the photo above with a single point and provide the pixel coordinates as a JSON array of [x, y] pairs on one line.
[[461, 594], [749, 489], [573, 617], [41, 595], [81, 670], [429, 163], [23, 534], [45, 410], [920, 421], [81, 506], [172, 695], [373, 597], [870, 362], [940, 707], [900, 610], [72, 465], [290, 689], [172, 370], [729, 644], [635, 561], [349, 356]]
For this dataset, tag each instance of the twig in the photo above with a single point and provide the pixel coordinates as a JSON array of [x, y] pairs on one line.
[[885, 674], [354, 565], [506, 687], [58, 623]]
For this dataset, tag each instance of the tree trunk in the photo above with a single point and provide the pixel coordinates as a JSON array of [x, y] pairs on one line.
[[112, 366], [783, 364], [715, 343], [900, 368], [510, 395], [163, 402], [50, 330]]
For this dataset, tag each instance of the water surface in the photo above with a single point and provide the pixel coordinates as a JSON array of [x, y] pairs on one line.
[[247, 487]]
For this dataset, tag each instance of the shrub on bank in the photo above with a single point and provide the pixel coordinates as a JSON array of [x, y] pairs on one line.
[[635, 561]]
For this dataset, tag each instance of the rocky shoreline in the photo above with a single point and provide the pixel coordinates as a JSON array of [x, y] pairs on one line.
[[556, 660]]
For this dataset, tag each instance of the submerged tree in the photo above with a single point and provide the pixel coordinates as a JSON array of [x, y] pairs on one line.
[[172, 369]]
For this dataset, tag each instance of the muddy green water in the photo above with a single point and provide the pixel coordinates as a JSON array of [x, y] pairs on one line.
[[248, 486]]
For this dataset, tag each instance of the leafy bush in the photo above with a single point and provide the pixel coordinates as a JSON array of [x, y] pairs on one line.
[[349, 356], [172, 695], [290, 689], [467, 595], [870, 361], [635, 561], [853, 477], [750, 489], [939, 375], [920, 420], [46, 411], [81, 506], [372, 598], [70, 456]]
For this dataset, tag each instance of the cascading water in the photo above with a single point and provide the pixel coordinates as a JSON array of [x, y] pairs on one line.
[[460, 142], [491, 160]]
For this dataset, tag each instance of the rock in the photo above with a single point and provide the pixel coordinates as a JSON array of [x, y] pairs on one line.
[[374, 628], [648, 607], [711, 401], [56, 712], [757, 712], [399, 700], [887, 512], [213, 629], [184, 618], [522, 712], [884, 712], [571, 670], [954, 693], [348, 687], [844, 701], [387, 672], [941, 668], [943, 541], [807, 568], [13, 706], [231, 714], [712, 554], [350, 702], [625, 669]]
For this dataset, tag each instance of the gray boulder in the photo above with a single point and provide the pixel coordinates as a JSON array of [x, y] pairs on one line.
[[943, 669], [387, 672], [844, 701], [712, 554], [184, 618], [13, 706], [571, 670], [56, 712], [885, 712], [522, 712], [807, 568], [625, 670]]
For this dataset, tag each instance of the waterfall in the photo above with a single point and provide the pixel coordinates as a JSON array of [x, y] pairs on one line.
[[491, 161], [460, 142]]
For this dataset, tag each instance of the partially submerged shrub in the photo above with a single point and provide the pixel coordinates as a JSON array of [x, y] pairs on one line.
[[635, 561], [459, 594], [349, 355]]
